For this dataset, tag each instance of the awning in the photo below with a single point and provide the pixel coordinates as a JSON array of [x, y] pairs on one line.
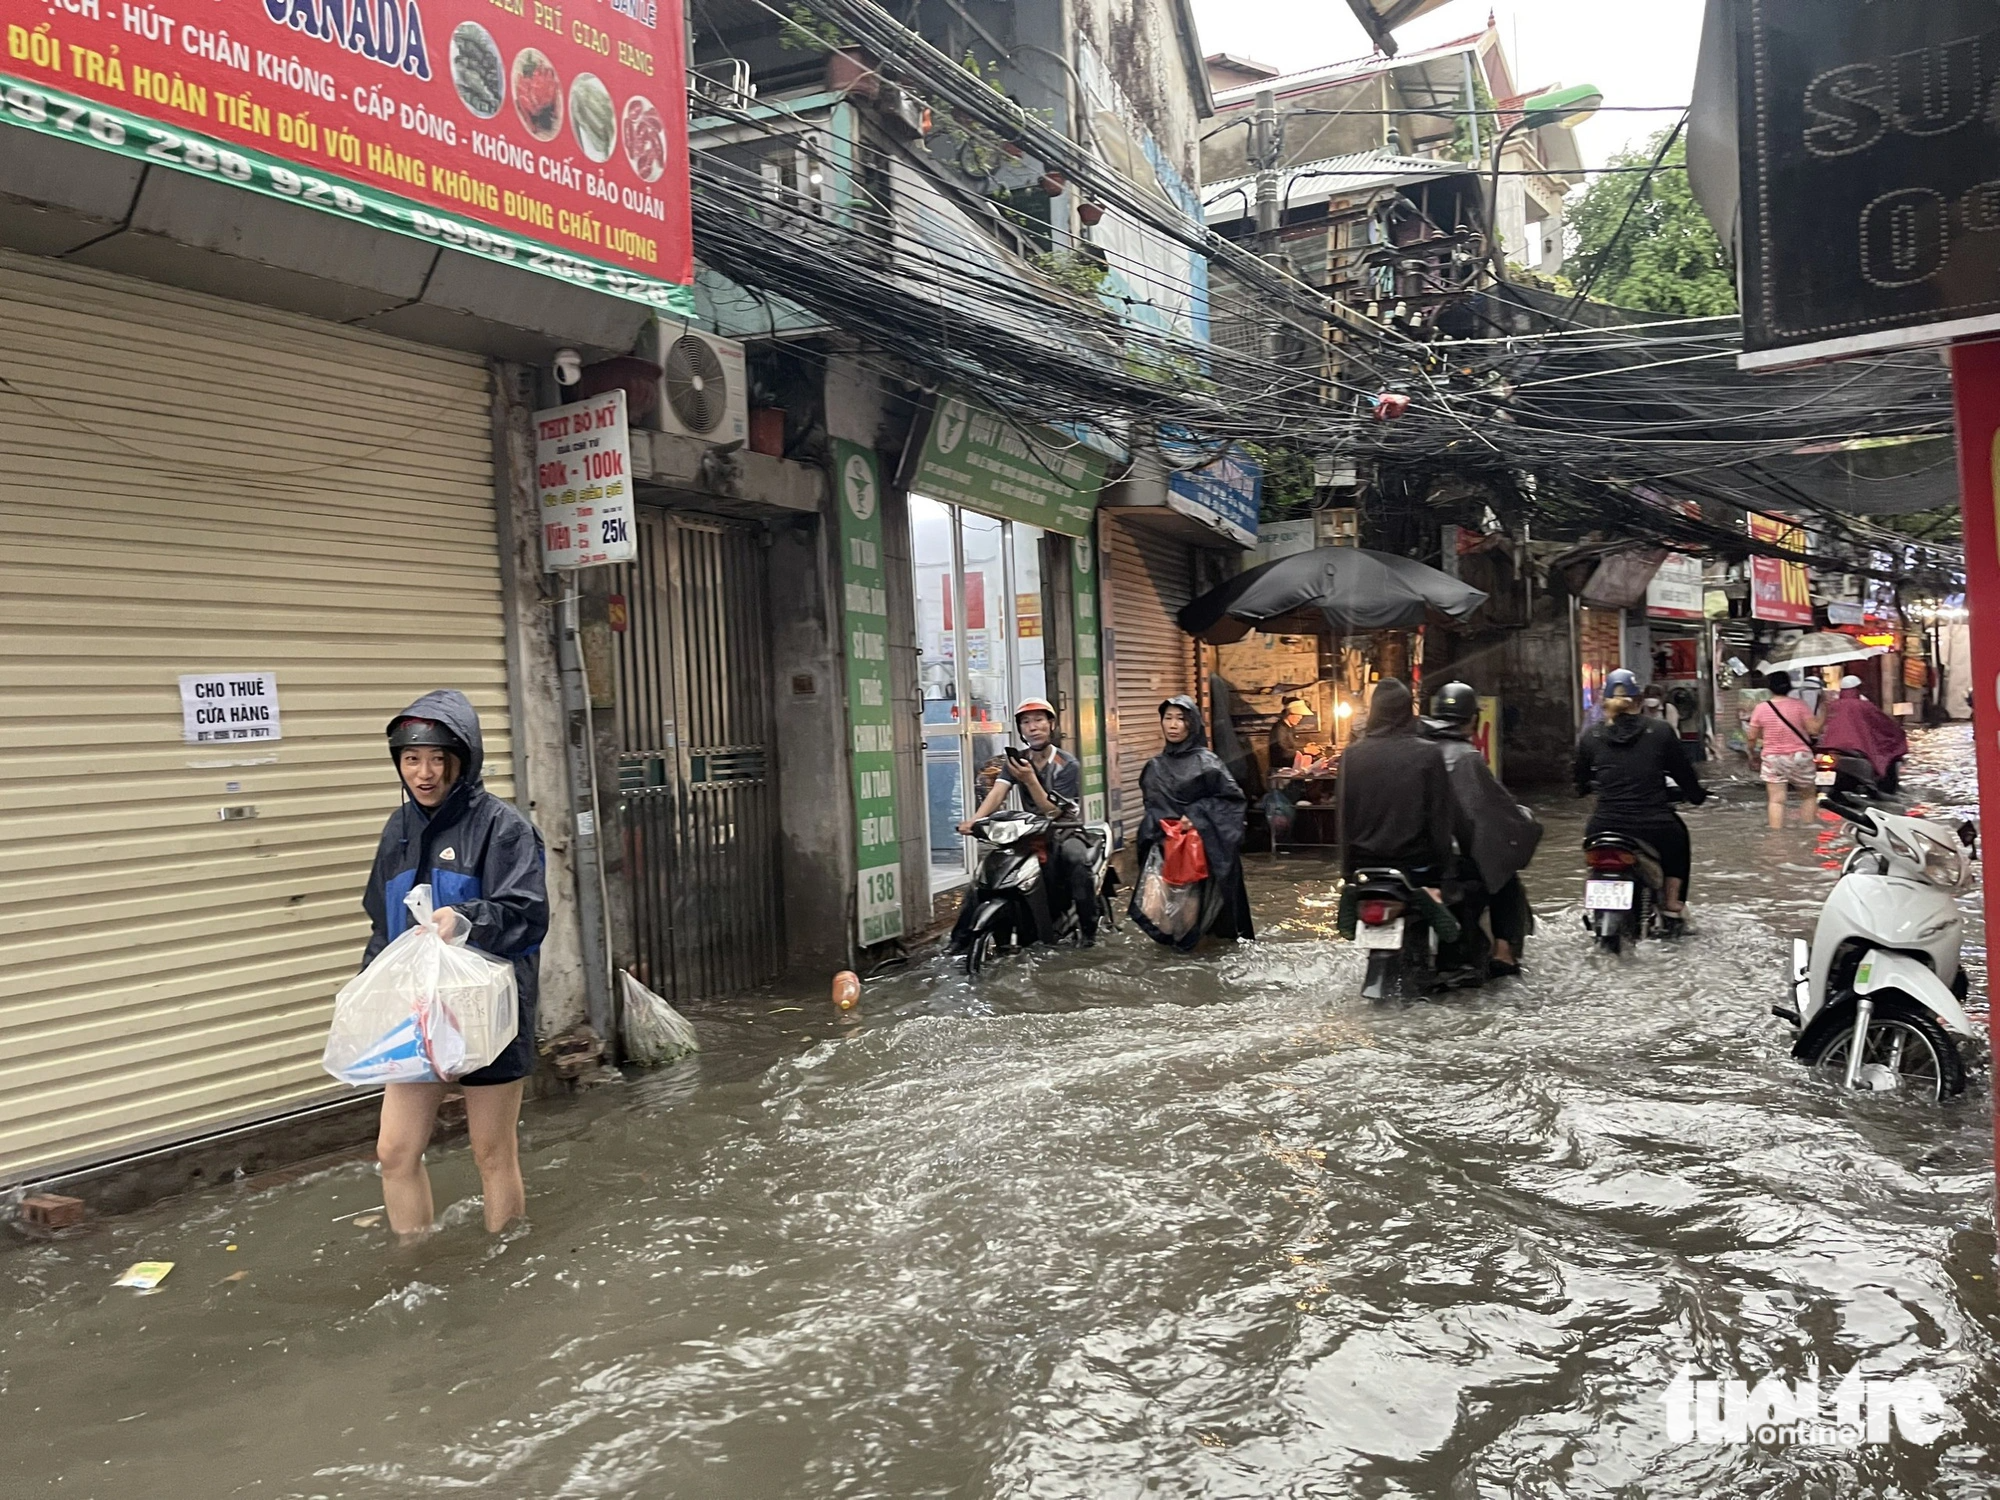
[[1381, 17]]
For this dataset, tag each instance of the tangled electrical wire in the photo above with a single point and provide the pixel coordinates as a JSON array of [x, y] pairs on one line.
[[1621, 420]]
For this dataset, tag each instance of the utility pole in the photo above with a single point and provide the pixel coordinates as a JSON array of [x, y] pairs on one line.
[[1264, 152]]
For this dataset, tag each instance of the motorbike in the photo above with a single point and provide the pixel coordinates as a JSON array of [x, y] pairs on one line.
[[1848, 773], [1402, 957], [1878, 994], [1010, 892], [1622, 891]]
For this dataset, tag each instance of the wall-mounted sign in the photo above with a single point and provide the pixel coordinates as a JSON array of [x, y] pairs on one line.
[[1089, 727], [1779, 590], [583, 479], [973, 456], [1675, 592], [857, 483], [546, 137], [1225, 493], [218, 706], [1869, 187]]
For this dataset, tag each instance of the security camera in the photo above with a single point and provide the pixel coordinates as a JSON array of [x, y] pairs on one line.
[[569, 367]]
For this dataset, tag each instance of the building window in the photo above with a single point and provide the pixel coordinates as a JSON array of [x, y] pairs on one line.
[[980, 651]]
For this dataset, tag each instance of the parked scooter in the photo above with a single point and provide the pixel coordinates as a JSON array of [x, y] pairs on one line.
[[1878, 994], [1389, 926], [1011, 889], [1622, 891]]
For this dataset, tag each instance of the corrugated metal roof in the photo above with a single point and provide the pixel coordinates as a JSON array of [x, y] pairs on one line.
[[1380, 18], [1358, 172]]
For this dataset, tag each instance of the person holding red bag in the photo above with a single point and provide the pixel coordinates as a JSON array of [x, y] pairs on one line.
[[1191, 841]]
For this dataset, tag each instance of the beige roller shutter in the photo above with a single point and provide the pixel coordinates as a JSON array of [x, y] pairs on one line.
[[191, 485], [1152, 577]]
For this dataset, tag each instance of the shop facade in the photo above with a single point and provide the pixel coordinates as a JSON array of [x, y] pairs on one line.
[[269, 466]]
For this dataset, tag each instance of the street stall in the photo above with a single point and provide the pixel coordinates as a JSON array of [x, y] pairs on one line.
[[1350, 617]]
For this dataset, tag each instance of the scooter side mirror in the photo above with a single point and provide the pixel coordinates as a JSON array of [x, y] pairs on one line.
[[1968, 835]]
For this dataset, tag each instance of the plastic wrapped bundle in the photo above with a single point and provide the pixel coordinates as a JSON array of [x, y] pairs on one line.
[[1168, 911], [427, 1010], [654, 1031]]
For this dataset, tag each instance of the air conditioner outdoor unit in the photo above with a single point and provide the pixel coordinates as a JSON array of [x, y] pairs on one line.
[[704, 386]]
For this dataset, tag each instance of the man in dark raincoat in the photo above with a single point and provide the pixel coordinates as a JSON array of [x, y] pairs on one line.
[[1396, 807], [483, 862], [1187, 780], [1496, 838]]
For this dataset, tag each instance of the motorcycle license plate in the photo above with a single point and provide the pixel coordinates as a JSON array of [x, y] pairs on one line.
[[1608, 895], [1383, 935], [1825, 778]]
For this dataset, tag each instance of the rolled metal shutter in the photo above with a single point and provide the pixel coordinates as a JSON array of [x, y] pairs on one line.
[[195, 485], [1152, 577]]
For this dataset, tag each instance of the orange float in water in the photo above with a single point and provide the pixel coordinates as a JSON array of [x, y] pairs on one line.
[[846, 990]]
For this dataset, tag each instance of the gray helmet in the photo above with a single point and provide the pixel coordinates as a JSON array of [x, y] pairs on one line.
[[406, 734], [1456, 703]]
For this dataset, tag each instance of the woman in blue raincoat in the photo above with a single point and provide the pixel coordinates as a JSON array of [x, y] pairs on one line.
[[483, 862]]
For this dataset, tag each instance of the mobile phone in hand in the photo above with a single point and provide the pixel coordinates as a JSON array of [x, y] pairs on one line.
[[1018, 756]]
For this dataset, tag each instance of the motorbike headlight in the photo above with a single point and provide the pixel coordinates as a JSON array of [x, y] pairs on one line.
[[1940, 860], [1000, 831], [1021, 878]]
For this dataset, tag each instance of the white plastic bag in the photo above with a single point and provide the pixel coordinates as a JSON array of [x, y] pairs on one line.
[[1168, 911], [654, 1031], [426, 1011]]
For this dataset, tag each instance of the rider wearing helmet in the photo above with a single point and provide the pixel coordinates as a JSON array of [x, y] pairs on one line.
[[1628, 759], [1051, 781], [1496, 838]]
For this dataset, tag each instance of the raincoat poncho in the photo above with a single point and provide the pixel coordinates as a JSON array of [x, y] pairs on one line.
[[1188, 780], [481, 858], [1853, 723]]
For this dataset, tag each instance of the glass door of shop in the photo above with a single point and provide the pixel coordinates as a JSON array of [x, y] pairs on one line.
[[980, 652]]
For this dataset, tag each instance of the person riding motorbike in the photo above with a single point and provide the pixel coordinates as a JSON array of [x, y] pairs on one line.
[[1496, 839], [1856, 724], [1045, 772], [1627, 759]]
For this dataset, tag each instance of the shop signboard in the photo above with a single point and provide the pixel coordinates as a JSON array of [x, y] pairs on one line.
[[583, 480], [865, 634], [1223, 491], [1779, 591], [550, 138], [1869, 196], [973, 456], [1276, 539], [1089, 716], [1675, 592]]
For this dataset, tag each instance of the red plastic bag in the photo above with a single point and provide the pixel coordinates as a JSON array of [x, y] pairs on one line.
[[1186, 862]]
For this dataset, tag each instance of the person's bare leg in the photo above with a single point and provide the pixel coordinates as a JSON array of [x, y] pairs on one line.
[[1670, 898], [1774, 803], [1503, 951], [492, 1113], [409, 1113]]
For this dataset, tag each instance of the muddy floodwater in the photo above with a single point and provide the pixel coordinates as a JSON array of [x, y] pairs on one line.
[[1114, 1224]]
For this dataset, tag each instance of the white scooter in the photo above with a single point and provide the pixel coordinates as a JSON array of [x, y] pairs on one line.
[[1878, 996]]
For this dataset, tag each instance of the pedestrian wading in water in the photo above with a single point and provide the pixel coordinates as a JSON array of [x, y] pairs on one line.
[[1187, 783], [483, 862]]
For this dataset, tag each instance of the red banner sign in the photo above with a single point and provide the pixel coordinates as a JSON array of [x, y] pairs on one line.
[[1779, 591], [563, 127]]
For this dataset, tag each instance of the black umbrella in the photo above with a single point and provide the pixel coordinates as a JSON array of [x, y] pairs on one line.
[[1350, 588]]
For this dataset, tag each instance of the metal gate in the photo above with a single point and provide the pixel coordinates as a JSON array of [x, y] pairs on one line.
[[696, 769]]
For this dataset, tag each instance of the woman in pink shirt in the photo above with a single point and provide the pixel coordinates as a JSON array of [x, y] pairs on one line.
[[1783, 731]]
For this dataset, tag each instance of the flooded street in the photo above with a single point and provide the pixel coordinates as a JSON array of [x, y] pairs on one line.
[[1112, 1224]]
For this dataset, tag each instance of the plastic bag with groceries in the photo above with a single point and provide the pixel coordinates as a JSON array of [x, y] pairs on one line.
[[429, 1009]]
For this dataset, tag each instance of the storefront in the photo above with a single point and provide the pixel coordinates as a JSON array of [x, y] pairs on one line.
[[266, 428], [1168, 533], [1677, 648], [183, 889], [1003, 602]]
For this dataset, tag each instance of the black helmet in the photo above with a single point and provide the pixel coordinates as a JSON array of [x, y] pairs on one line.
[[407, 734], [1456, 703]]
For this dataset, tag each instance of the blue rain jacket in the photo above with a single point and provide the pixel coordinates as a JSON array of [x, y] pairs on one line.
[[481, 858]]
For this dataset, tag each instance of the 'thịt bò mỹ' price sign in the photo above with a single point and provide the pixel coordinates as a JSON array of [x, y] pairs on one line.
[[583, 483], [553, 138]]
